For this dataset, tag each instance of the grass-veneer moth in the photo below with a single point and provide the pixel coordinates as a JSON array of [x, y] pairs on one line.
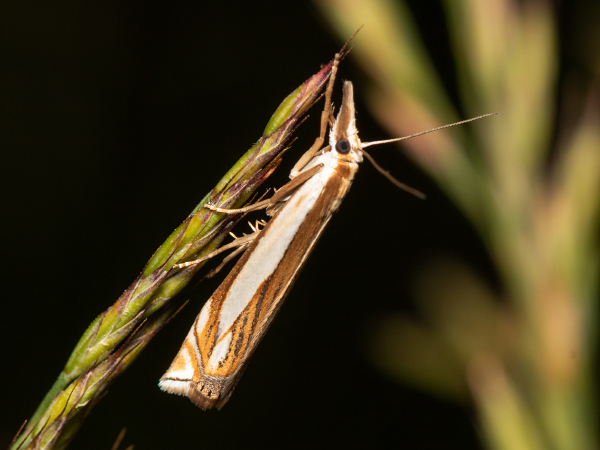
[[237, 316]]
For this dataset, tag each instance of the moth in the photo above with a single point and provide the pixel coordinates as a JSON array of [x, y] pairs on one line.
[[236, 317]]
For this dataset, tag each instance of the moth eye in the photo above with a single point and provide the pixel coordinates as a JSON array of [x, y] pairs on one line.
[[343, 146]]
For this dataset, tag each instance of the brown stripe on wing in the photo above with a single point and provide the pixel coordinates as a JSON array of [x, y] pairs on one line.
[[242, 330], [207, 337]]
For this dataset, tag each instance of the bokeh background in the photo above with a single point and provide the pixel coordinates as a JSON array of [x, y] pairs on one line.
[[410, 327]]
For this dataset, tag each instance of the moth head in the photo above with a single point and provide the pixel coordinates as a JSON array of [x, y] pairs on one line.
[[343, 138]]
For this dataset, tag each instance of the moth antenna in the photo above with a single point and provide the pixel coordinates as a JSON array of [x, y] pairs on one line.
[[397, 183], [369, 144]]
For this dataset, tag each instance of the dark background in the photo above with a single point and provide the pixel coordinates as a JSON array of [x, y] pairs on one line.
[[116, 118]]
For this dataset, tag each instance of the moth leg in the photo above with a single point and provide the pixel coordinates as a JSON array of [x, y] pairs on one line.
[[278, 197], [281, 195], [255, 207], [228, 258], [256, 229], [241, 242], [326, 116]]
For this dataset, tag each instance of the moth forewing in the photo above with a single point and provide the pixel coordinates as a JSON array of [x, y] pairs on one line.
[[236, 317]]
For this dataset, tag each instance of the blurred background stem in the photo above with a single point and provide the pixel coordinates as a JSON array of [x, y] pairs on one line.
[[530, 187]]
